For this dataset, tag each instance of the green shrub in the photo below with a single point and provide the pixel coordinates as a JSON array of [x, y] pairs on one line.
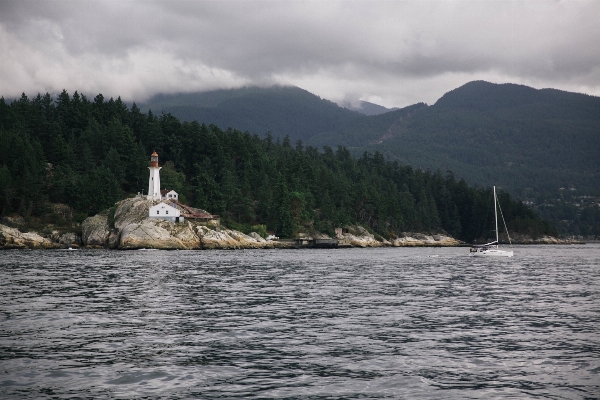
[[261, 230]]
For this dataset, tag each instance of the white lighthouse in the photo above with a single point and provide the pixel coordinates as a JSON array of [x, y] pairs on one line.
[[154, 180]]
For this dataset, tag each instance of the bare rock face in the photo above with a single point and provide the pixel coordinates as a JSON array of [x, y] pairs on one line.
[[212, 239], [12, 238], [422, 240], [257, 237], [249, 241], [130, 227], [230, 239], [137, 230], [70, 239], [185, 233], [359, 237], [148, 235], [131, 211], [443, 240], [95, 231], [547, 240]]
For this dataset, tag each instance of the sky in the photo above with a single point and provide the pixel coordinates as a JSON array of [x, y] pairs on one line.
[[392, 53]]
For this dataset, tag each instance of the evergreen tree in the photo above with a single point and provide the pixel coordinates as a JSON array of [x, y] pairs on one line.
[[90, 154]]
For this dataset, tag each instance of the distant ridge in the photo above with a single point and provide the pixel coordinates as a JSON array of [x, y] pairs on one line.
[[509, 135], [524, 100], [280, 110]]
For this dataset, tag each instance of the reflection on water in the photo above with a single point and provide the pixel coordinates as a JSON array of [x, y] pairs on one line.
[[408, 323]]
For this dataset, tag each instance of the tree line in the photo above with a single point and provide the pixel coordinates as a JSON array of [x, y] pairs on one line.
[[89, 154]]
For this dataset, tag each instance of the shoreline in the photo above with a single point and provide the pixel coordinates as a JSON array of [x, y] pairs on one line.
[[128, 226], [224, 239]]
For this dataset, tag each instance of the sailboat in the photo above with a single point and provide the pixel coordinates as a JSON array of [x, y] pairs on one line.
[[491, 249]]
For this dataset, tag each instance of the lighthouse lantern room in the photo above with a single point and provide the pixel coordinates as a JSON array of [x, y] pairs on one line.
[[154, 180]]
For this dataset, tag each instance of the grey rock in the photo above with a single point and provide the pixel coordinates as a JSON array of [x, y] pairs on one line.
[[70, 239], [95, 231], [12, 238], [257, 237]]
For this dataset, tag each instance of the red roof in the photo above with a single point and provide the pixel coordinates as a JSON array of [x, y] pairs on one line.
[[154, 154], [203, 216]]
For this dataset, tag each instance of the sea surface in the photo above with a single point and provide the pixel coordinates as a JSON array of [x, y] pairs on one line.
[[427, 323]]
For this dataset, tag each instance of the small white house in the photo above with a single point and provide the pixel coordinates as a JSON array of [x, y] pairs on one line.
[[166, 212], [169, 195]]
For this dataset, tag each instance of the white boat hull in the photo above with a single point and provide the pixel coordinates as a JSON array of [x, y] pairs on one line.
[[492, 253]]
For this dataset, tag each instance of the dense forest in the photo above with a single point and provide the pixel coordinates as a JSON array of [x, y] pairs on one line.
[[90, 153]]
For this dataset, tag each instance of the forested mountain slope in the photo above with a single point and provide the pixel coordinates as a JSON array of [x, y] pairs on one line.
[[90, 153], [513, 136], [281, 110]]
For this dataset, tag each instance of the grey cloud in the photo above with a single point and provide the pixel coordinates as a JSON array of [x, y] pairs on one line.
[[379, 50]]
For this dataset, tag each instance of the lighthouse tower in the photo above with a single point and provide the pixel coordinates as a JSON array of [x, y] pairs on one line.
[[154, 180]]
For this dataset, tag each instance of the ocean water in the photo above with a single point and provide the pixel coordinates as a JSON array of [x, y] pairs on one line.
[[428, 323]]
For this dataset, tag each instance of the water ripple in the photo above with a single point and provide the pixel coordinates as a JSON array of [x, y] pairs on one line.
[[376, 323]]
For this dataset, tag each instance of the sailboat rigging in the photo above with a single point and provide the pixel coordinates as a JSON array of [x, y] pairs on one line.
[[491, 249]]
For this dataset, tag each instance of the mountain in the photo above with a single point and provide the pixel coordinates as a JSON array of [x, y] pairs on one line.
[[365, 130], [281, 110], [366, 108], [543, 146], [514, 136]]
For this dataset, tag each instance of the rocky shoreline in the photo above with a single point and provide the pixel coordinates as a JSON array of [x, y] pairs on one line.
[[127, 226]]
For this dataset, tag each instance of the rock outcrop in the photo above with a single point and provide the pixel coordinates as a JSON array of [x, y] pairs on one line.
[[158, 234], [526, 239], [128, 226], [357, 236], [12, 238], [68, 239], [95, 231], [230, 239], [420, 240]]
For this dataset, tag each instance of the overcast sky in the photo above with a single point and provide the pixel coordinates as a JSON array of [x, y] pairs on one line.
[[393, 53]]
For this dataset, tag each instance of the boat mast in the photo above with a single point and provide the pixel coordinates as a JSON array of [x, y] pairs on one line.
[[496, 215]]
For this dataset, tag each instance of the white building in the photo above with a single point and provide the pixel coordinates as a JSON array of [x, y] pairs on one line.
[[161, 210], [169, 195], [166, 212], [154, 180]]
